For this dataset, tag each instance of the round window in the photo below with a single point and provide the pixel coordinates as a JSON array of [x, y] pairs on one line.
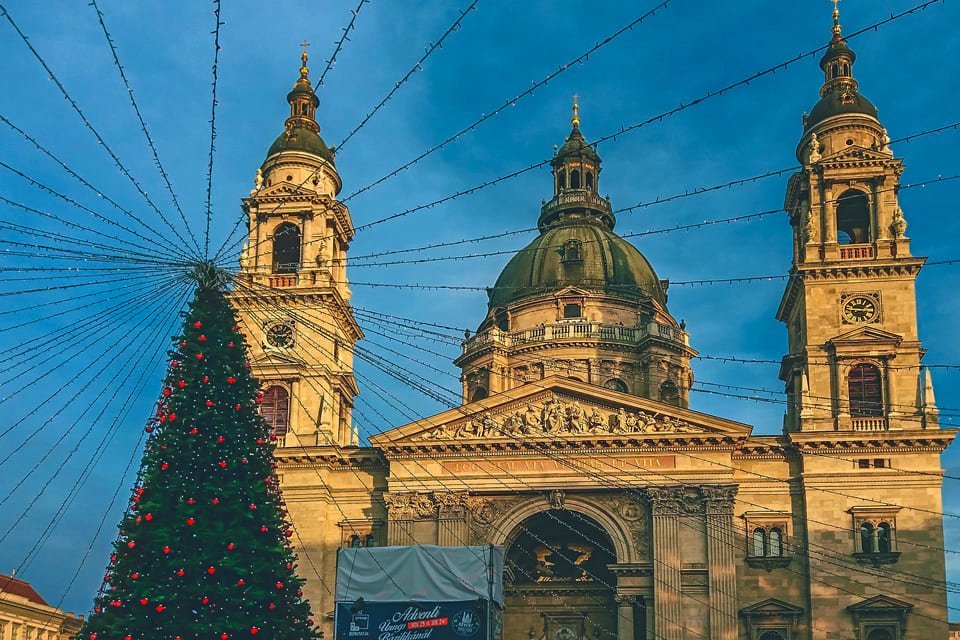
[[280, 336]]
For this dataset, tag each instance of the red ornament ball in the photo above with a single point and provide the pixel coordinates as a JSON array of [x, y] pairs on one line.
[[131, 544], [191, 521], [166, 393], [240, 582], [279, 585], [263, 528], [166, 551], [209, 403], [182, 384], [202, 338], [243, 460], [128, 637], [259, 440], [174, 364], [172, 417], [183, 343], [164, 466], [231, 546], [288, 533], [206, 378], [253, 507], [272, 606], [223, 464], [161, 608], [149, 429], [237, 407], [229, 344], [144, 601], [191, 501], [254, 630], [148, 517], [93, 636], [194, 431], [215, 501], [221, 439], [181, 572], [211, 571], [224, 636], [205, 600], [289, 565], [231, 380], [134, 575], [199, 356]]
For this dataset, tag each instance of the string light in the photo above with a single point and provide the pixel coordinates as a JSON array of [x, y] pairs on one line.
[[343, 38]]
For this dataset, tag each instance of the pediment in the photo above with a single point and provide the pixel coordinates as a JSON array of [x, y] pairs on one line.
[[880, 604], [275, 359], [560, 409], [567, 292], [856, 153], [866, 334], [771, 607]]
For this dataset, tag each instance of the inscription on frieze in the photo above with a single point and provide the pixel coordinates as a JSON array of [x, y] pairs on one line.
[[631, 464]]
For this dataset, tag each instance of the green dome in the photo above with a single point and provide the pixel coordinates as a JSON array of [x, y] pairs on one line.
[[301, 138], [607, 263], [832, 104]]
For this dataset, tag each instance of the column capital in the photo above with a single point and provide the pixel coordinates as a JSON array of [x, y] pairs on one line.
[[719, 498]]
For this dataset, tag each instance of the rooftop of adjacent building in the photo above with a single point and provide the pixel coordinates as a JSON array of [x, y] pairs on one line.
[[13, 586]]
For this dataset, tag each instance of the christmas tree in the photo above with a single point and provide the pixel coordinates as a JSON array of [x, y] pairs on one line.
[[204, 550]]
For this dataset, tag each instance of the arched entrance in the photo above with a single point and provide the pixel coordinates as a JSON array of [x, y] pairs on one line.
[[557, 581]]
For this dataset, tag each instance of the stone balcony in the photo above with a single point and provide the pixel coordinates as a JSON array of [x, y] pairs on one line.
[[575, 330]]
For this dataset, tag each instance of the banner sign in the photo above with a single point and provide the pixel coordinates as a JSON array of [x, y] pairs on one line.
[[463, 620]]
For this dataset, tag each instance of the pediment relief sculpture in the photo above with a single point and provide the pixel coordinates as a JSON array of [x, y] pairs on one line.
[[559, 417]]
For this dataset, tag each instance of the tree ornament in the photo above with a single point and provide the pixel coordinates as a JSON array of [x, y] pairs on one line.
[[183, 343], [272, 606], [240, 582], [131, 544], [263, 528], [206, 378], [128, 637], [171, 417], [134, 575], [224, 636], [253, 507], [259, 440], [221, 439], [181, 572], [164, 466], [144, 601], [148, 517], [230, 344], [182, 384], [279, 585], [209, 403], [161, 608], [223, 464], [174, 364], [166, 393], [230, 546], [148, 429], [166, 551], [191, 501], [215, 501], [243, 460], [205, 599], [191, 521], [237, 407], [197, 325], [202, 338], [254, 630], [231, 380], [211, 571], [199, 356], [194, 431]]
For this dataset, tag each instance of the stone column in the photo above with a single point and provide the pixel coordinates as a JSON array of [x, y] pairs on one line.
[[625, 619], [721, 542], [452, 522], [665, 505]]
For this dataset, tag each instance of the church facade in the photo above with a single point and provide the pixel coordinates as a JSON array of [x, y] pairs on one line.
[[625, 513]]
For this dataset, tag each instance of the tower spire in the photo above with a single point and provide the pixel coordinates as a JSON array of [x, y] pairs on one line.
[[836, 18], [575, 120]]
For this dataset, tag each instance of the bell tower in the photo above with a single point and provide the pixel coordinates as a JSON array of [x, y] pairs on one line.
[[291, 293], [850, 304]]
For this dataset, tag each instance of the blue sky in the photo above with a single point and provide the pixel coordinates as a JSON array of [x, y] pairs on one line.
[[909, 69]]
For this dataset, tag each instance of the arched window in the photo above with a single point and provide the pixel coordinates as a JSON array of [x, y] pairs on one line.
[[880, 634], [275, 409], [759, 542], [883, 538], [616, 384], [835, 70], [575, 179], [356, 542], [669, 393], [368, 540], [589, 180], [865, 390], [772, 635], [776, 543], [561, 179], [866, 538], [286, 248], [853, 218], [478, 394]]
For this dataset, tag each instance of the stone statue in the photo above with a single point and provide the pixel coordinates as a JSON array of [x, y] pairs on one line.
[[885, 142], [899, 225], [814, 149], [553, 416], [488, 426], [531, 420], [245, 257], [630, 426], [257, 183], [620, 426], [576, 418], [597, 422]]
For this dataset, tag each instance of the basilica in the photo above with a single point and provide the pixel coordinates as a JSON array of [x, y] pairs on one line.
[[625, 514]]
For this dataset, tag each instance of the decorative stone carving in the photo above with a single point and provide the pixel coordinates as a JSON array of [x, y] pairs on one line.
[[899, 225], [257, 183], [558, 417], [719, 498], [410, 505], [675, 500], [484, 512], [451, 504], [814, 149], [556, 499], [635, 518]]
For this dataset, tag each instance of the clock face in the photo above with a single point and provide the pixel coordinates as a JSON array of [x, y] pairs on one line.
[[860, 309], [280, 336]]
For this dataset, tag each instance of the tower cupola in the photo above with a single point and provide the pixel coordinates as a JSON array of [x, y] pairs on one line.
[[576, 174], [301, 131]]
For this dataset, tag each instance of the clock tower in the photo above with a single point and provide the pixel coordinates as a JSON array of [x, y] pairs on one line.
[[854, 361], [291, 294]]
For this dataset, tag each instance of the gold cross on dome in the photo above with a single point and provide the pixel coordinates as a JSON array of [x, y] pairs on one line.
[[836, 8], [303, 56], [575, 120]]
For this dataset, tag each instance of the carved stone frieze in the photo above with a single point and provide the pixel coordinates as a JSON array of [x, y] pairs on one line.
[[484, 513], [558, 416], [675, 500]]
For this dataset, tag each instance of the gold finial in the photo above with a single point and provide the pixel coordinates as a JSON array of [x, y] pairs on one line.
[[304, 70], [836, 17], [575, 120]]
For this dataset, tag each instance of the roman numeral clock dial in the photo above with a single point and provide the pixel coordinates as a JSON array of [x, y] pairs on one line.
[[860, 309]]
